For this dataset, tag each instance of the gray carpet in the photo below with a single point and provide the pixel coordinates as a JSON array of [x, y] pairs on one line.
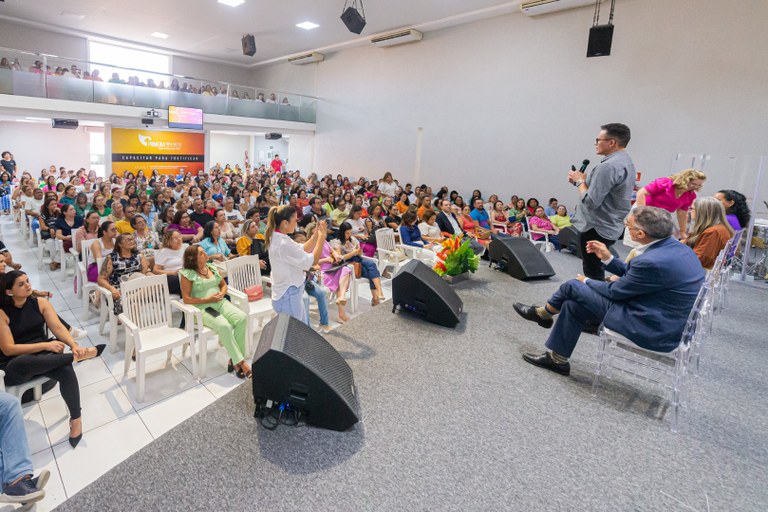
[[456, 420]]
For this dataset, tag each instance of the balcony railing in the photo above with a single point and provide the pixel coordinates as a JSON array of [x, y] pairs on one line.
[[29, 74]]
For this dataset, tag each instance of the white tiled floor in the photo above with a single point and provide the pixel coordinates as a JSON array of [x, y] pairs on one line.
[[115, 424]]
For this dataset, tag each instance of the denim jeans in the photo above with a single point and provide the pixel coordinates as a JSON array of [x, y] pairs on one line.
[[320, 293], [14, 458], [292, 302]]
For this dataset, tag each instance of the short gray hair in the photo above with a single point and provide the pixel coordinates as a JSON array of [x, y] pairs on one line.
[[655, 222]]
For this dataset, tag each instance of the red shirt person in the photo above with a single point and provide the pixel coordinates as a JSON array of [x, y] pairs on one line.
[[277, 164]]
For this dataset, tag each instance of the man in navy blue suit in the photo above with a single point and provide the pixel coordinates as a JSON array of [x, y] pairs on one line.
[[649, 303]]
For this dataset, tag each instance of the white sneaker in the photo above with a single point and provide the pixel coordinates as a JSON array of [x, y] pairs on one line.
[[78, 334]]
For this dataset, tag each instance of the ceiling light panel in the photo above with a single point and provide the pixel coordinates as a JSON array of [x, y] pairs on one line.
[[159, 35], [307, 25], [232, 3]]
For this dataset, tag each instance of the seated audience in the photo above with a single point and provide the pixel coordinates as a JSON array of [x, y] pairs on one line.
[[540, 223], [561, 219], [213, 244], [147, 241], [17, 484], [124, 261], [170, 259], [551, 208], [393, 219], [203, 287], [314, 288], [349, 249], [102, 248], [68, 220], [26, 351], [124, 225], [410, 233], [88, 231], [227, 230], [191, 232], [711, 230], [430, 231], [736, 208], [649, 303]]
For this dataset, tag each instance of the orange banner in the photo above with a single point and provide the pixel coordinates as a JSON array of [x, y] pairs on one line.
[[169, 152]]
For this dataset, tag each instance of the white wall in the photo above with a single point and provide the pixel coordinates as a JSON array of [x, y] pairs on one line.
[[508, 103], [211, 70], [268, 148], [37, 146], [228, 149]]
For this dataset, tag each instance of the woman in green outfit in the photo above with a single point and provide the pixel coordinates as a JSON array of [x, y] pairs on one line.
[[203, 287]]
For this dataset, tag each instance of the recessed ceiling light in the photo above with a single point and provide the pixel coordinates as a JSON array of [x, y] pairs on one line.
[[73, 15], [232, 3], [159, 35], [25, 121], [307, 25], [38, 118]]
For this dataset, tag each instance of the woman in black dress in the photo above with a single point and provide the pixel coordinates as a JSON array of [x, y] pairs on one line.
[[26, 351]]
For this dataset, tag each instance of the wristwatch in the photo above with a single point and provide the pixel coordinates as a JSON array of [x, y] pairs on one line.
[[578, 183]]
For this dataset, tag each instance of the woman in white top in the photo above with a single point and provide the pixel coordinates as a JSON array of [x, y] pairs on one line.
[[429, 228], [103, 247], [359, 229], [388, 185], [290, 261], [170, 259]]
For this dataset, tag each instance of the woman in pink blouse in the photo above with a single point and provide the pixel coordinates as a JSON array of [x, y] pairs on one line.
[[540, 223], [675, 194]]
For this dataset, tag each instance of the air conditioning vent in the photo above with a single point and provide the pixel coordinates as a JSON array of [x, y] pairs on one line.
[[538, 7], [307, 58], [66, 124], [395, 38]]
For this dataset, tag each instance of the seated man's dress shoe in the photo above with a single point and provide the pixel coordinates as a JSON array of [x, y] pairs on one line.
[[529, 313], [545, 361]]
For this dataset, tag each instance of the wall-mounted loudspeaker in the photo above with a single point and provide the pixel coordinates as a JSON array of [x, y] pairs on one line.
[[249, 45], [600, 39], [520, 258], [353, 20], [295, 366], [416, 288], [273, 136]]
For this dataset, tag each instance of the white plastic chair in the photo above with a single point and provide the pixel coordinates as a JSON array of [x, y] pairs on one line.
[[387, 250], [65, 258], [107, 316], [242, 273], [669, 370], [541, 242], [42, 249], [36, 384], [82, 260], [148, 325]]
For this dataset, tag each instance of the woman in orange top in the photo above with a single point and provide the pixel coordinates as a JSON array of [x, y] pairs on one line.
[[711, 230], [403, 203]]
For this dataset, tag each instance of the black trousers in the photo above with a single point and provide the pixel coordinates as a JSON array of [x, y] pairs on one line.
[[593, 267], [55, 366]]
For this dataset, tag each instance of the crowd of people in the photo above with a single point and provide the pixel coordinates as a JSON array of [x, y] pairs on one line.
[[211, 89], [314, 235]]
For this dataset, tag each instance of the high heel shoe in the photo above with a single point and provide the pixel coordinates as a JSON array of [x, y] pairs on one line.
[[100, 349], [230, 367], [74, 441]]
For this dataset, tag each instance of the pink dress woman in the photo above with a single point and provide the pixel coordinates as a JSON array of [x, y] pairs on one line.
[[331, 279]]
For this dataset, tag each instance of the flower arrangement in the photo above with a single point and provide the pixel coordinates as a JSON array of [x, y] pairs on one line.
[[456, 257]]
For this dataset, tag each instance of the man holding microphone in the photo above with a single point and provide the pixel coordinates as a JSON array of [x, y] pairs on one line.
[[605, 195]]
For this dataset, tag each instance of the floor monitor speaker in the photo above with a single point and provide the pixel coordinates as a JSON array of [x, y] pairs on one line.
[[353, 20], [600, 39], [294, 365], [418, 289], [520, 258], [570, 239]]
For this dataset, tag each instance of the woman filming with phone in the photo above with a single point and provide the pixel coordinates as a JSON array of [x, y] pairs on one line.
[[203, 287]]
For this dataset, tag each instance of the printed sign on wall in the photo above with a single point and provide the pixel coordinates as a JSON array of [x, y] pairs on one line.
[[167, 151]]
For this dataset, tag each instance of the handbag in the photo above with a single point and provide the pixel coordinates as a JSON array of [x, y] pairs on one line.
[[254, 293], [358, 268]]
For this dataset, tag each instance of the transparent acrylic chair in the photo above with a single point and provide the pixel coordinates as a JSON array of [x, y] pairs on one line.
[[667, 369]]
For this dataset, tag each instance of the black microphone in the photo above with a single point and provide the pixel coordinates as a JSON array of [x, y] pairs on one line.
[[584, 165]]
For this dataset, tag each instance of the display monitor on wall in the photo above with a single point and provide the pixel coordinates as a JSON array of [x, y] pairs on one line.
[[184, 117]]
